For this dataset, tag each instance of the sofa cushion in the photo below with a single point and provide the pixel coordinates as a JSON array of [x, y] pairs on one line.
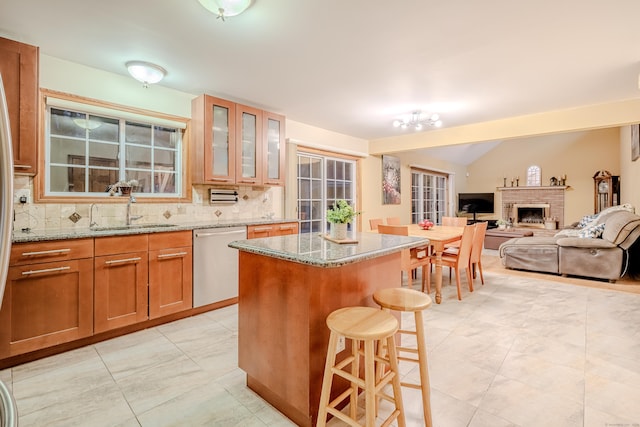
[[578, 242], [531, 253], [619, 225]]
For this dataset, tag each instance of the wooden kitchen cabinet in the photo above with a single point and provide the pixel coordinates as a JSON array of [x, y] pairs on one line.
[[48, 297], [236, 144], [170, 273], [273, 149], [249, 143], [19, 69], [214, 140], [271, 230], [121, 281]]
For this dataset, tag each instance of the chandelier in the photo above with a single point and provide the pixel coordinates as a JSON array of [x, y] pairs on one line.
[[418, 121]]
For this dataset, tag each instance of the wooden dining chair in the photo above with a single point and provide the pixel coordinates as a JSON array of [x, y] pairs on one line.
[[374, 223], [457, 261], [411, 258], [475, 259], [454, 221], [393, 220]]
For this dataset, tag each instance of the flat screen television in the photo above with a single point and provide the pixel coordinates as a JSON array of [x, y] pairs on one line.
[[475, 203]]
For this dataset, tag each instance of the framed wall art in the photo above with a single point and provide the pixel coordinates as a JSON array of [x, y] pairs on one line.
[[635, 142], [390, 180]]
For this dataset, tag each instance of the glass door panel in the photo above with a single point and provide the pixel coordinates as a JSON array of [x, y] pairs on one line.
[[220, 143]]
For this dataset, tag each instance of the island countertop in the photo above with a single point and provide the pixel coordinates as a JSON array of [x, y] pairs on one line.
[[315, 250]]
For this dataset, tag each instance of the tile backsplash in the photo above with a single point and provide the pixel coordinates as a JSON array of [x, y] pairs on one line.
[[253, 202]]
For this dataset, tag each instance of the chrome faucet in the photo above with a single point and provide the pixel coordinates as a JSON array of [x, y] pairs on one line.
[[92, 223], [130, 217]]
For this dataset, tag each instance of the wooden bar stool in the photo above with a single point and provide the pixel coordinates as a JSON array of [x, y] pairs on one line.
[[409, 300], [367, 325]]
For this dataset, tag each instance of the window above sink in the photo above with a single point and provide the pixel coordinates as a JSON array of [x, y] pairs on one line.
[[89, 145]]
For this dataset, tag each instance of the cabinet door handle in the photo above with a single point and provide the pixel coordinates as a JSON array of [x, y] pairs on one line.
[[22, 166], [50, 252], [272, 183], [259, 229], [220, 179], [177, 254], [45, 270], [118, 261], [287, 227]]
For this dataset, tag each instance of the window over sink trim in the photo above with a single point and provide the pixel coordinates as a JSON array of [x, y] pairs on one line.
[[150, 135]]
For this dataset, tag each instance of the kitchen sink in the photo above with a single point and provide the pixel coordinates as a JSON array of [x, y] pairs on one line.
[[131, 227]]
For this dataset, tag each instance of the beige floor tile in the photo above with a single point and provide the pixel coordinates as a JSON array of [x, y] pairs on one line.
[[520, 351], [612, 397], [160, 383], [526, 406], [100, 406], [58, 385]]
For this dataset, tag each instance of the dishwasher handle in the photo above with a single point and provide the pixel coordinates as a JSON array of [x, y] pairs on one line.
[[219, 233]]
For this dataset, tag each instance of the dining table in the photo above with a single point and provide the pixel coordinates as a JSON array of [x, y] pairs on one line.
[[439, 236]]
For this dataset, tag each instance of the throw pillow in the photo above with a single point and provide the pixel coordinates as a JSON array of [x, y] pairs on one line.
[[586, 220], [593, 232]]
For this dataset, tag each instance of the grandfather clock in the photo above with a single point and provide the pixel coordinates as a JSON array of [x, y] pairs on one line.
[[606, 190]]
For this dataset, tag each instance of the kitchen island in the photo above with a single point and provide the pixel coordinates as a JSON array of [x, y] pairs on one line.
[[288, 286]]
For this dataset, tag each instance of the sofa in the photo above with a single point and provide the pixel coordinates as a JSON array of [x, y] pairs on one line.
[[601, 246]]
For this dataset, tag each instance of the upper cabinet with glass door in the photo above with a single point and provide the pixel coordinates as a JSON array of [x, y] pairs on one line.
[[214, 134], [236, 144], [273, 149], [248, 145]]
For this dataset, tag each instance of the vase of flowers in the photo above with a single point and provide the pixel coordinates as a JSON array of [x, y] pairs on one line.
[[339, 216]]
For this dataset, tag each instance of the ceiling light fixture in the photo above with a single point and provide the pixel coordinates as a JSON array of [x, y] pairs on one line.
[[146, 72], [226, 8], [418, 122]]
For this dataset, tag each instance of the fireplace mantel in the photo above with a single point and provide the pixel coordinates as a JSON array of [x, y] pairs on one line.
[[538, 187]]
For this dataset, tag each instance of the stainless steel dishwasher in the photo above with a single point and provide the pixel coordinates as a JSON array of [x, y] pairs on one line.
[[215, 265]]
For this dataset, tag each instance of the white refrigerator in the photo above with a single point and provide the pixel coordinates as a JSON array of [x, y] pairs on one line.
[[8, 411]]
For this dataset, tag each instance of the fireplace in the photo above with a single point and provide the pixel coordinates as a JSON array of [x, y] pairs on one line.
[[551, 198], [530, 214]]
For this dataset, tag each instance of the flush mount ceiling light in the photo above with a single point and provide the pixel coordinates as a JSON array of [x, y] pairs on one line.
[[226, 8], [146, 72], [418, 122]]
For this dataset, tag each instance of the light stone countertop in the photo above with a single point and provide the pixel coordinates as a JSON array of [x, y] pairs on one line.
[[123, 230], [313, 249]]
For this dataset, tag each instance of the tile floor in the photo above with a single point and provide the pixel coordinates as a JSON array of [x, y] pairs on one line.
[[518, 351]]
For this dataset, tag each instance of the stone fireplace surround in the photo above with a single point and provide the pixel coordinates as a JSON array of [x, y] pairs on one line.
[[553, 196]]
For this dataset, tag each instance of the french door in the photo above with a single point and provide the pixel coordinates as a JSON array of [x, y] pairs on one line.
[[321, 181], [428, 196]]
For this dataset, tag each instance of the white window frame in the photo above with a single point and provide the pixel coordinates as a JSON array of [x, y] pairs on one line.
[[326, 199], [438, 186]]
